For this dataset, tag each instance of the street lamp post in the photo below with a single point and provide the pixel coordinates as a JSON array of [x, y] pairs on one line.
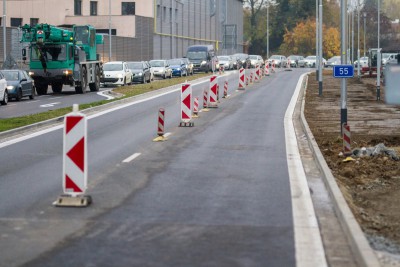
[[109, 30], [378, 75], [358, 39], [365, 16], [316, 40], [268, 30], [321, 61], [343, 55], [4, 32]]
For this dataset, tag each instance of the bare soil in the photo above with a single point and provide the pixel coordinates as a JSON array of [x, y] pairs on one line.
[[371, 185]]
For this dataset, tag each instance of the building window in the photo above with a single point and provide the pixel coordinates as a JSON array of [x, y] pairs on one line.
[[128, 8], [78, 7], [93, 8], [158, 11], [164, 14], [16, 22], [34, 21], [170, 14]]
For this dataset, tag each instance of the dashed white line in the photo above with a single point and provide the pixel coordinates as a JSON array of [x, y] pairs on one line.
[[55, 97], [130, 158]]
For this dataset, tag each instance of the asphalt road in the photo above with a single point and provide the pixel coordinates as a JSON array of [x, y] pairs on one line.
[[216, 194], [51, 101]]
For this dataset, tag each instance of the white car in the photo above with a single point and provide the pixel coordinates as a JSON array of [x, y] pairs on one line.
[[389, 58], [310, 61], [116, 73], [279, 60], [3, 90], [161, 68], [363, 62], [256, 60], [226, 62]]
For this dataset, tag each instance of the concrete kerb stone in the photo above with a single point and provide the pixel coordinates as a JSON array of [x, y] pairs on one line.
[[10, 134], [365, 255]]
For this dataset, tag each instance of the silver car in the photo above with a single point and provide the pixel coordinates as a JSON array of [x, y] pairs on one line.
[[161, 68], [226, 62], [279, 60]]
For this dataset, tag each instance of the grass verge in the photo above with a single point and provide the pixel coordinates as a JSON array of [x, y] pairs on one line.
[[127, 91]]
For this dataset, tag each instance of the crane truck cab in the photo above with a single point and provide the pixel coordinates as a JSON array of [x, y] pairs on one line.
[[60, 57]]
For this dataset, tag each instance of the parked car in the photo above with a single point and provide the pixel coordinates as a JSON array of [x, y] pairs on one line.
[[363, 62], [140, 71], [151, 71], [178, 67], [389, 58], [243, 60], [226, 62], [3, 90], [310, 61], [294, 60], [19, 84], [189, 65], [161, 68], [335, 60], [116, 73], [279, 60], [256, 59], [236, 62]]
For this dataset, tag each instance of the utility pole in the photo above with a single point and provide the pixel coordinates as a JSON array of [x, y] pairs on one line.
[[352, 35], [343, 55]]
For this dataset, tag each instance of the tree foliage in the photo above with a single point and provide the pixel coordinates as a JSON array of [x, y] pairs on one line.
[[284, 16], [301, 40]]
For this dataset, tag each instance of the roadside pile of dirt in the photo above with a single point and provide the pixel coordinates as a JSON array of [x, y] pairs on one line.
[[370, 184]]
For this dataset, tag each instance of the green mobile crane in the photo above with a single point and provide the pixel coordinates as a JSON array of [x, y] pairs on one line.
[[60, 56]]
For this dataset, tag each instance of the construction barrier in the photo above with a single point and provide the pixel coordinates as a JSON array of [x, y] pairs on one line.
[[221, 69], [242, 78], [288, 67], [205, 98], [267, 69], [225, 89], [186, 105], [74, 161], [273, 66], [160, 128], [257, 74], [196, 108], [251, 76], [346, 139], [212, 97]]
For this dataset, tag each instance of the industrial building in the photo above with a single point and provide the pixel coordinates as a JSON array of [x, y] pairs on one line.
[[140, 30]]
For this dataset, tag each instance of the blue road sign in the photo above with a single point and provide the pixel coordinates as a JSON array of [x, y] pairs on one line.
[[343, 71]]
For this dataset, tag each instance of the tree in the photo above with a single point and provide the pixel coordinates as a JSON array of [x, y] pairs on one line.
[[301, 40]]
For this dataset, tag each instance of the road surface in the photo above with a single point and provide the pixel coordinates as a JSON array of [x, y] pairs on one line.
[[216, 194]]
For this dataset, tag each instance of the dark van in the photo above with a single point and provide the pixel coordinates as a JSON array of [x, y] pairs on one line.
[[203, 57]]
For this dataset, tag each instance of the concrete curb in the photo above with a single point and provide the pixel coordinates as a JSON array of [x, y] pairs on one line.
[[365, 255], [4, 136]]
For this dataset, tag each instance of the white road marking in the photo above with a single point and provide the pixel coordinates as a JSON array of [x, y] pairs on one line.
[[130, 158], [167, 134], [56, 97], [105, 94], [49, 105], [308, 243]]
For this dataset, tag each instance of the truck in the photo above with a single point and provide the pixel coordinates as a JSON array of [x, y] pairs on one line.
[[61, 56]]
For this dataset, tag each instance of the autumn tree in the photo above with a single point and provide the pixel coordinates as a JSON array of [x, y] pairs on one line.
[[301, 40]]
